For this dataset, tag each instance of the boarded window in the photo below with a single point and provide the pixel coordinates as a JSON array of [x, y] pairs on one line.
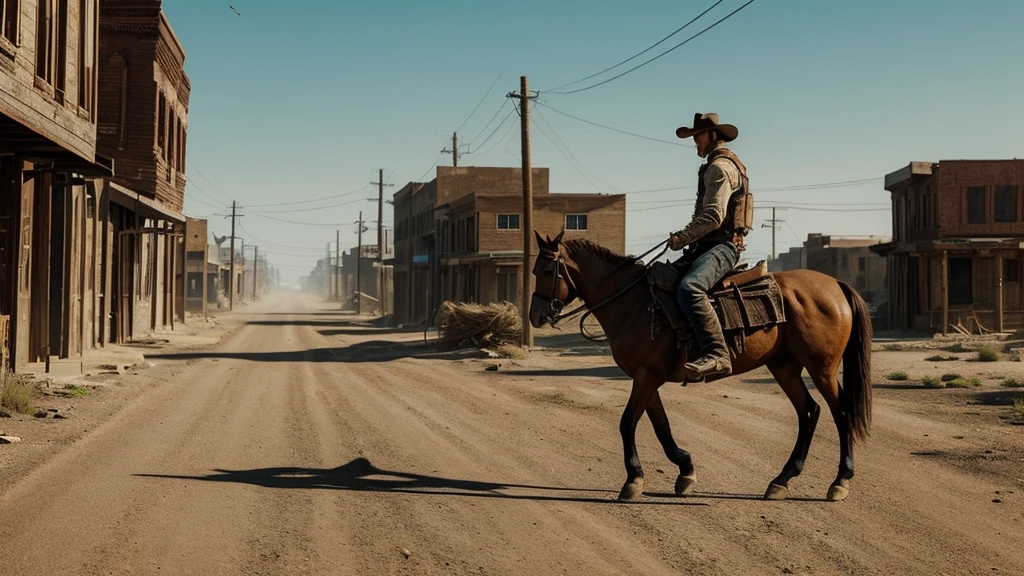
[[161, 118], [961, 281], [88, 19], [1006, 204], [470, 235], [576, 222], [508, 221], [1011, 270], [976, 206]]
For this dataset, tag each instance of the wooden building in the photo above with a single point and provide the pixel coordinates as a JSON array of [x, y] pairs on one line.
[[52, 236], [955, 256], [459, 236], [143, 125]]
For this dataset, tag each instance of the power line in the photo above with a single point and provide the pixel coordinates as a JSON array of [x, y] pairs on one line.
[[496, 128], [275, 245], [680, 45], [329, 225], [207, 180], [566, 156], [566, 146], [314, 208], [489, 122], [297, 202], [626, 132], [646, 50], [794, 187], [498, 142], [486, 94]]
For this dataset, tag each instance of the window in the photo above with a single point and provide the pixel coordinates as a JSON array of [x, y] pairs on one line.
[[51, 45], [1006, 204], [862, 264], [10, 15], [470, 235], [1011, 270], [961, 281], [170, 143], [976, 208], [575, 221], [508, 221], [87, 55], [161, 122]]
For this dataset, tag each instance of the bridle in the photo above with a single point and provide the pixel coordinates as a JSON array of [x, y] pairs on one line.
[[556, 305]]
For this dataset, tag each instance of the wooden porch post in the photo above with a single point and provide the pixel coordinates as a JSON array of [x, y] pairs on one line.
[[945, 292], [999, 291]]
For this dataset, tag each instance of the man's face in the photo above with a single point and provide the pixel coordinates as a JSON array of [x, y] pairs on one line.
[[703, 141]]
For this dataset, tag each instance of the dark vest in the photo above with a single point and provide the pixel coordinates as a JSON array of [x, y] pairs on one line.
[[739, 215]]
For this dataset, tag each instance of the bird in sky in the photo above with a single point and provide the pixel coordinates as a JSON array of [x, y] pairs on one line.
[[235, 10]]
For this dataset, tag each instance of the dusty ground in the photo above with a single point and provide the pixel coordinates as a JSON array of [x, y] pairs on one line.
[[309, 443]]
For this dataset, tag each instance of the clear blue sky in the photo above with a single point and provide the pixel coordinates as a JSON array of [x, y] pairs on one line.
[[308, 101]]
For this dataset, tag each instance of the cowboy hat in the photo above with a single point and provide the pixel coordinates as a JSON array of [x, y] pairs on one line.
[[708, 122]]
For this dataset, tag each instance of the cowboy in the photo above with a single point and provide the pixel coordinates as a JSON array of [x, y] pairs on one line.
[[714, 237]]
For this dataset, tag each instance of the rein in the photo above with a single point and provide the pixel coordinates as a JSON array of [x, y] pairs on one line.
[[579, 309]]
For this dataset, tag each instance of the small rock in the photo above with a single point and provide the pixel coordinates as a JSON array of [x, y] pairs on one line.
[[660, 471], [59, 417], [493, 367], [997, 501], [406, 553], [41, 414], [54, 410], [9, 439], [5, 414]]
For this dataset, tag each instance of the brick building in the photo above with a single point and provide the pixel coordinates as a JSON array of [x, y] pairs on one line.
[[459, 236], [955, 255], [51, 276], [849, 259]]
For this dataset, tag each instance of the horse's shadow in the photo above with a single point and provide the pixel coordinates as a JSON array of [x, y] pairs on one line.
[[361, 475]]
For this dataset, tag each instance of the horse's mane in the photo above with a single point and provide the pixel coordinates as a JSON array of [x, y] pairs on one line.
[[574, 247]]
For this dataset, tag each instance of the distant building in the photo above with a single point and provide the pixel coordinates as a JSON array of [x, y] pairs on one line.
[[459, 237], [848, 259], [955, 255]]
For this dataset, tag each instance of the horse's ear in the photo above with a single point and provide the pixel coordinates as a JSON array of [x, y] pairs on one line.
[[558, 239], [540, 241]]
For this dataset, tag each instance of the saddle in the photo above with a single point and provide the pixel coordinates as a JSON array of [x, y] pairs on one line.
[[746, 300]]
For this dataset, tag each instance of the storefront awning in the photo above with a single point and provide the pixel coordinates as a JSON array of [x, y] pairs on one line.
[[145, 207]]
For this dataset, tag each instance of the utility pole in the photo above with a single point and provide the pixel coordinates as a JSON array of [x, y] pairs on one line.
[[231, 277], [359, 266], [773, 224], [255, 269], [454, 151], [337, 266], [381, 241], [327, 273], [524, 116]]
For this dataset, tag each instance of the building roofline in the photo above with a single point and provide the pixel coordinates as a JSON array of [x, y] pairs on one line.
[[906, 173]]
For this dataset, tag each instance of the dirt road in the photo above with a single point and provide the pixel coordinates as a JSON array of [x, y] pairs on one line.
[[306, 443]]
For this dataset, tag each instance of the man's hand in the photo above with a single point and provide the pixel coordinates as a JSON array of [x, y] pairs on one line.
[[675, 241]]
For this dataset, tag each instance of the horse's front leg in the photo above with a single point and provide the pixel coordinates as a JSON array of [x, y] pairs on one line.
[[687, 476], [639, 398]]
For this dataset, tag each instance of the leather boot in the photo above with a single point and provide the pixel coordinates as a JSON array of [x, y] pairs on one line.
[[715, 359]]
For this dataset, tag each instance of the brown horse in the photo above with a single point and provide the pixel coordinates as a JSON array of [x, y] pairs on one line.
[[826, 322]]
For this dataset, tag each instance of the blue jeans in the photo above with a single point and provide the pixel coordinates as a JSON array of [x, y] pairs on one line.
[[704, 273]]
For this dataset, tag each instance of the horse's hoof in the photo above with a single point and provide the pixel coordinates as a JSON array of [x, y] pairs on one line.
[[632, 490], [684, 483], [837, 493], [776, 492]]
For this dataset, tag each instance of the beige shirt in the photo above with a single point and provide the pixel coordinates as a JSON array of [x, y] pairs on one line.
[[721, 179]]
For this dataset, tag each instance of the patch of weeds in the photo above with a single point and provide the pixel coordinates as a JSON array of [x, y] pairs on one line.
[[562, 399], [1018, 406], [950, 377], [932, 382], [75, 390], [987, 354], [898, 376], [964, 383], [17, 392], [942, 358], [510, 351], [1013, 383], [893, 347]]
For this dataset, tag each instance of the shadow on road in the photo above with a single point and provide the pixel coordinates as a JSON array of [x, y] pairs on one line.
[[610, 372], [371, 351], [361, 475]]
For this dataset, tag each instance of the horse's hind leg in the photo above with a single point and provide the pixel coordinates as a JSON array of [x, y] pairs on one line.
[[788, 374], [678, 456], [827, 382]]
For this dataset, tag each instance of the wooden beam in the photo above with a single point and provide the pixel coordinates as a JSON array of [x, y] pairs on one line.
[[999, 292]]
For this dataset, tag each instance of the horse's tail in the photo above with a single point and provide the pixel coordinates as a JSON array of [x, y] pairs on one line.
[[855, 397]]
